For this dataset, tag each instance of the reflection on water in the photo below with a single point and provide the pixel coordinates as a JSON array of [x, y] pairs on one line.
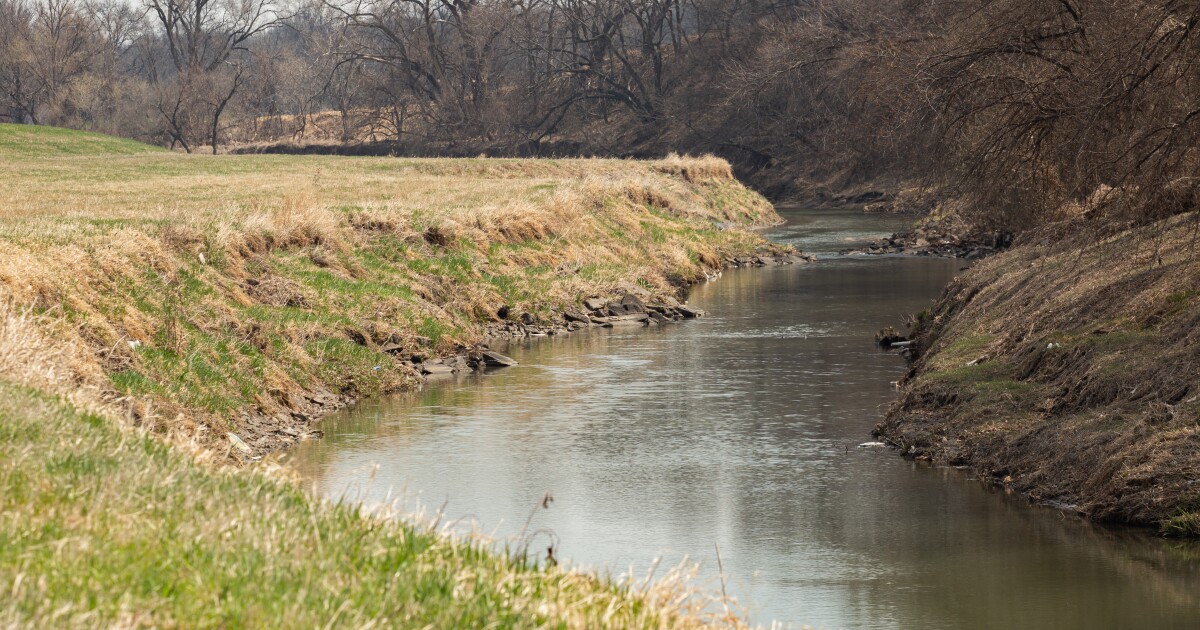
[[739, 430]]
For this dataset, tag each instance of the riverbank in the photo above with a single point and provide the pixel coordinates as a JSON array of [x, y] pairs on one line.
[[105, 527], [1066, 369], [224, 302], [251, 294]]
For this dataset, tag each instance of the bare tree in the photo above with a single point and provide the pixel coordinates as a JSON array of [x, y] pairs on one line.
[[49, 45], [1041, 102], [205, 41]]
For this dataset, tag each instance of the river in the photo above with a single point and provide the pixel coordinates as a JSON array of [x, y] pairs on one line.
[[739, 431]]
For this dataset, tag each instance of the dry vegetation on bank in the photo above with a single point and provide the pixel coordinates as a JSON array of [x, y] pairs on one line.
[[147, 293], [1069, 369], [249, 293]]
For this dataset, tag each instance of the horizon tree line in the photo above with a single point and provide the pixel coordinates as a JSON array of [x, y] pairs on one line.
[[1020, 106]]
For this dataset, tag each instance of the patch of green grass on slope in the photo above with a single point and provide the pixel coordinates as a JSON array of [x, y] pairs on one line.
[[39, 141], [103, 527]]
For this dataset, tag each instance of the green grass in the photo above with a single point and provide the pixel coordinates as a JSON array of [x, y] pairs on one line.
[[970, 375], [352, 368], [176, 276], [102, 527], [1183, 297], [1186, 524], [33, 140], [962, 351], [209, 294]]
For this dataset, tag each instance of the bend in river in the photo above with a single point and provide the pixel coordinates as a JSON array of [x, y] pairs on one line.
[[740, 430]]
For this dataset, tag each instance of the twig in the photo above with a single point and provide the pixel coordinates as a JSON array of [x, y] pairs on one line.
[[721, 574]]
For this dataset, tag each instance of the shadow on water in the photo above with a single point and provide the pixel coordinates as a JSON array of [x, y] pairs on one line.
[[740, 430]]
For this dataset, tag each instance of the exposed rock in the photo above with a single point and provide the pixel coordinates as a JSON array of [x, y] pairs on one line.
[[575, 316], [495, 359], [771, 257], [594, 304], [622, 320], [870, 196], [239, 444], [633, 303], [954, 453], [635, 306], [357, 336], [629, 287], [433, 369], [938, 239]]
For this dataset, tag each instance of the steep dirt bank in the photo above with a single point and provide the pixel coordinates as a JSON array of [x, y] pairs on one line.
[[1069, 369], [210, 295]]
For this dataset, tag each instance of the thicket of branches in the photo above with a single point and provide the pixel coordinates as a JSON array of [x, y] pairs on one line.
[[1026, 106]]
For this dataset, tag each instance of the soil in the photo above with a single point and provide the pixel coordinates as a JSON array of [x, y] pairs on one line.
[[1069, 370]]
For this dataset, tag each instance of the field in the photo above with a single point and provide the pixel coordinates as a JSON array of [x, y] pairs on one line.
[[154, 302]]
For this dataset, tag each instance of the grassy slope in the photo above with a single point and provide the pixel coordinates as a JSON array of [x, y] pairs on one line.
[[192, 295], [1070, 370], [30, 141], [246, 291], [103, 527]]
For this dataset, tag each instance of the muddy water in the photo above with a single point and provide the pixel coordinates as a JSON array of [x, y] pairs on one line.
[[740, 430]]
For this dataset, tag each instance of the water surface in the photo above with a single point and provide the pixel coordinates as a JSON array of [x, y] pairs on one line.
[[740, 430]]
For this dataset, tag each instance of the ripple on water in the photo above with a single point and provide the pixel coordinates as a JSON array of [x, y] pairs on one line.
[[794, 331], [740, 430]]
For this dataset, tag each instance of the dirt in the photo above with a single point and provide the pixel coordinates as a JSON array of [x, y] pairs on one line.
[[1069, 369]]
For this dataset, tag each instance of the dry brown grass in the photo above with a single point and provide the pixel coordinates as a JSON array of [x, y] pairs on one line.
[[28, 357], [189, 296], [1070, 369], [233, 293]]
